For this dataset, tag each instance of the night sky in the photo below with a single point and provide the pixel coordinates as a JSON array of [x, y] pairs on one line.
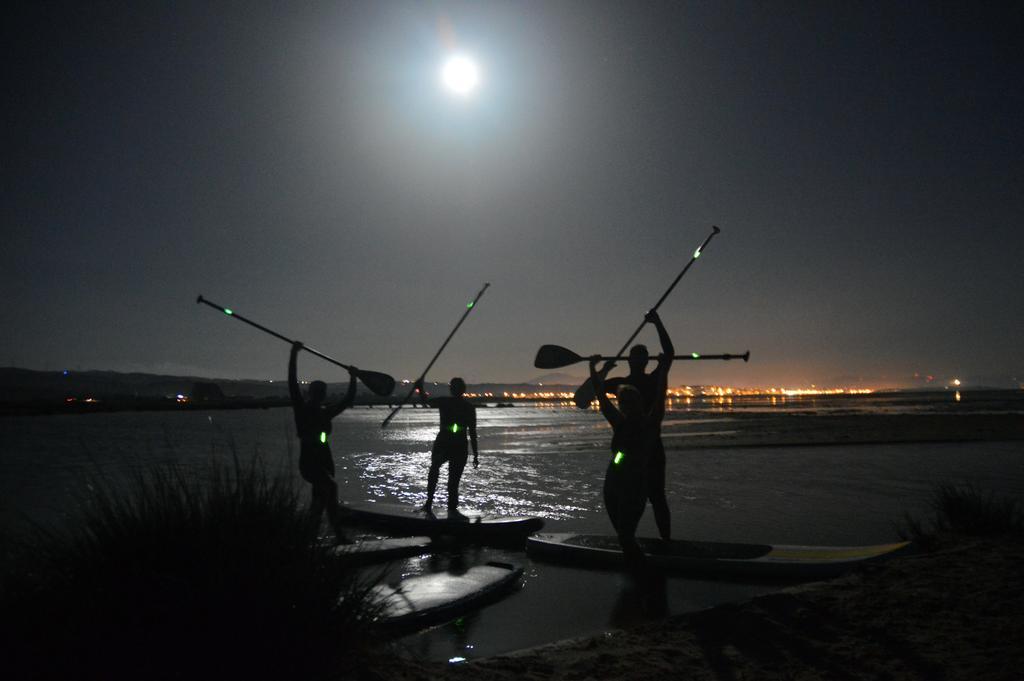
[[301, 164]]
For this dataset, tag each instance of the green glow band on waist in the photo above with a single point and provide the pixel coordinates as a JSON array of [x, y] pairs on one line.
[[619, 456], [323, 438], [455, 427]]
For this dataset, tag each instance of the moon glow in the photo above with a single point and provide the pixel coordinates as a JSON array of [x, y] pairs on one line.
[[460, 75]]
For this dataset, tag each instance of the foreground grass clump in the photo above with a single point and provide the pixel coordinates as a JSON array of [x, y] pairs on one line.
[[965, 511], [175, 575]]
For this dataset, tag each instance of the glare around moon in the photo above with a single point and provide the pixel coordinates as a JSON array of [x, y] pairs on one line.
[[460, 75]]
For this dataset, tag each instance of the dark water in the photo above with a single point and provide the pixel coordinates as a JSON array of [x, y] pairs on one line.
[[547, 462]]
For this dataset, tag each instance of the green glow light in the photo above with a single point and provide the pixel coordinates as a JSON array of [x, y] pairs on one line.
[[228, 311], [695, 355], [619, 456], [470, 306], [455, 427], [323, 438], [696, 254]]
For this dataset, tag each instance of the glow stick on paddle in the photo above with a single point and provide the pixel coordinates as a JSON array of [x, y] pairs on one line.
[[585, 393], [381, 384], [469, 308]]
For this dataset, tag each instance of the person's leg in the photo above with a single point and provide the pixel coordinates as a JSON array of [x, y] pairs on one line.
[[631, 508], [328, 491], [312, 473], [456, 465], [611, 499], [435, 470], [436, 459], [656, 490]]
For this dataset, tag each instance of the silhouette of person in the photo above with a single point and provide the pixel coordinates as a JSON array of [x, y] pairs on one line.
[[313, 423], [457, 420], [625, 479], [653, 388]]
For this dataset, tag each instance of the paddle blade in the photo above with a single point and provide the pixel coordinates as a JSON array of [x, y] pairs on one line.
[[585, 394], [380, 384], [555, 357]]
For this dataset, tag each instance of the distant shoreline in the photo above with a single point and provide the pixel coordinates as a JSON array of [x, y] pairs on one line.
[[107, 406]]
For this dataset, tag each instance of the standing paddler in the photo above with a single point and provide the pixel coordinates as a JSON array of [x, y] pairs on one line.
[[625, 480], [652, 388], [313, 423], [458, 420]]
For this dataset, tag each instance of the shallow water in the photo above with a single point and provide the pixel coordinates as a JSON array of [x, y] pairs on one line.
[[539, 461]]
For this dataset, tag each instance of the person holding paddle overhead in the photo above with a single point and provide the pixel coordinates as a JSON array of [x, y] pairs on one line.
[[313, 423], [458, 419], [625, 479], [652, 388]]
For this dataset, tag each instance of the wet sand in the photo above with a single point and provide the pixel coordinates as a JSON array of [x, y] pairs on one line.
[[953, 614]]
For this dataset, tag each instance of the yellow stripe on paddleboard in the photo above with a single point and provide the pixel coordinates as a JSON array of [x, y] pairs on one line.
[[831, 552]]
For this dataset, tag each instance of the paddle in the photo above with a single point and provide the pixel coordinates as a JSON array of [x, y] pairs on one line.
[[556, 357], [469, 308], [379, 383], [585, 394]]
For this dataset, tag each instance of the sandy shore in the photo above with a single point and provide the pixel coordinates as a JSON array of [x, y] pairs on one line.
[[957, 613]]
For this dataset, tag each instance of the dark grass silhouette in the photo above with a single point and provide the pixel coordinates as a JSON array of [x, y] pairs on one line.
[[172, 574], [960, 511]]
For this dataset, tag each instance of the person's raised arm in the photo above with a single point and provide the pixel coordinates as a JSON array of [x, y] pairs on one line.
[[350, 395], [597, 379], [293, 381], [668, 351], [472, 436]]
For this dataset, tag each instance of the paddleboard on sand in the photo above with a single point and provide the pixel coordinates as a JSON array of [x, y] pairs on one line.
[[427, 599], [469, 525], [368, 551], [712, 559]]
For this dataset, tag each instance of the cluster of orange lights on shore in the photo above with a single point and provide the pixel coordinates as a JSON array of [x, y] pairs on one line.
[[686, 392]]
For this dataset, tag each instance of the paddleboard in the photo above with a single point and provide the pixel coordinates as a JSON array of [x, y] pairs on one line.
[[369, 551], [469, 526], [427, 599], [712, 559]]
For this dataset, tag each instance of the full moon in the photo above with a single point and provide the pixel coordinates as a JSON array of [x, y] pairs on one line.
[[460, 74]]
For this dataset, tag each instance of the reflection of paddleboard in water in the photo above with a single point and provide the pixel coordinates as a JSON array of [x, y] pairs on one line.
[[712, 559], [468, 525], [438, 596], [380, 550]]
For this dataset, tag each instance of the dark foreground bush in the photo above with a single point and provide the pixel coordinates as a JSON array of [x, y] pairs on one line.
[[176, 575], [963, 510]]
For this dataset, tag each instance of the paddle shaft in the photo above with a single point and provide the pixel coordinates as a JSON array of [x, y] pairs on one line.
[[231, 313], [744, 356], [469, 308], [587, 387], [696, 254]]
